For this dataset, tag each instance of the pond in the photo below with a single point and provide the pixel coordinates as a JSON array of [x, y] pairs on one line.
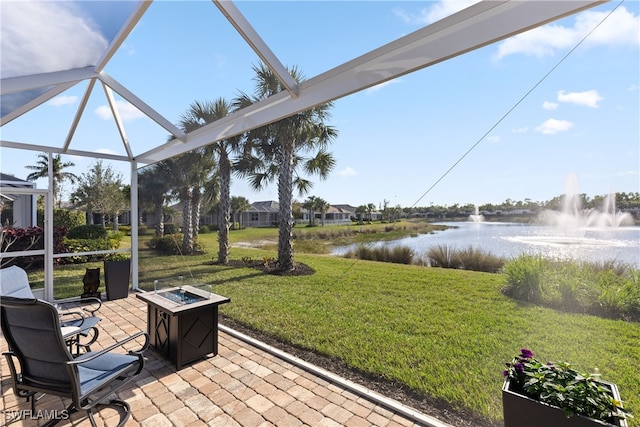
[[509, 240]]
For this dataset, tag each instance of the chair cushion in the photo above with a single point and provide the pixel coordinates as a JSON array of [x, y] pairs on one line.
[[95, 373], [14, 282]]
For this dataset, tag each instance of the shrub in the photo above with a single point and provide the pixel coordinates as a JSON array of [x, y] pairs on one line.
[[524, 277], [397, 255], [116, 235], [204, 229], [611, 289], [169, 244], [89, 231], [88, 245], [29, 238], [480, 260], [443, 256], [171, 229], [68, 219]]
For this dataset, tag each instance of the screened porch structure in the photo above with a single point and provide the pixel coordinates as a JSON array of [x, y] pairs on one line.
[[29, 80]]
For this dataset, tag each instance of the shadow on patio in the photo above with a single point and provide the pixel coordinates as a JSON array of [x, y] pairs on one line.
[[246, 384]]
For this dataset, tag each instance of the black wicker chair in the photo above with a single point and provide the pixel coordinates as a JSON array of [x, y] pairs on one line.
[[32, 330]]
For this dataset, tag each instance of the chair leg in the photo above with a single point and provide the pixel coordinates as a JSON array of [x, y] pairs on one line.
[[86, 346], [120, 406]]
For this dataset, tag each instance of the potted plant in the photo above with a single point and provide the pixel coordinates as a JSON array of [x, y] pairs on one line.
[[555, 394], [117, 275]]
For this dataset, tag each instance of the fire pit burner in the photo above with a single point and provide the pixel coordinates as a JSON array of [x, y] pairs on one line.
[[181, 296]]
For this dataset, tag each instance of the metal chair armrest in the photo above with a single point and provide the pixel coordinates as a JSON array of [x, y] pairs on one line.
[[93, 300], [90, 356]]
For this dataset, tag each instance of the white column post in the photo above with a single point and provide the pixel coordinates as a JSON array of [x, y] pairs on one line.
[[134, 224], [48, 234]]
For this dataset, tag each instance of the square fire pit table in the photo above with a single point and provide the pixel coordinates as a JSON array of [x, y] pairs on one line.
[[182, 322]]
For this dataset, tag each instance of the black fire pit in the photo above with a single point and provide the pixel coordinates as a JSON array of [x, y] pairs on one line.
[[182, 322]]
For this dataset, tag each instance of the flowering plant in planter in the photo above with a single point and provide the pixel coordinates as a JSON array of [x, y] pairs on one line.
[[558, 384]]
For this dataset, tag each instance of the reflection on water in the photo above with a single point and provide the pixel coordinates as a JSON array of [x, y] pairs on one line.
[[509, 240]]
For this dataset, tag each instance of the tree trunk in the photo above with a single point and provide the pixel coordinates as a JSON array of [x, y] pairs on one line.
[[159, 221], [285, 197], [224, 212], [187, 231], [196, 206]]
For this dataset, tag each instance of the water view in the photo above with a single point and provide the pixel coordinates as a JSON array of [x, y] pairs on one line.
[[509, 240]]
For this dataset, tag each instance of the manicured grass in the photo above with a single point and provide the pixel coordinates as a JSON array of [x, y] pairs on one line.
[[444, 333]]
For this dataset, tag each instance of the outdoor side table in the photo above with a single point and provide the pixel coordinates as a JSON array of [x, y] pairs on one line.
[[182, 322]]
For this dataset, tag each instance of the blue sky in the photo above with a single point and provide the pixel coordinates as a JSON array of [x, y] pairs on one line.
[[397, 140]]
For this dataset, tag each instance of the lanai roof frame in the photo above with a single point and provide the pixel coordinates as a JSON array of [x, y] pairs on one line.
[[481, 24]]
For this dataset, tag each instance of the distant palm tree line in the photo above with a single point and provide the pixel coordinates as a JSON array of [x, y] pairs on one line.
[[629, 202]]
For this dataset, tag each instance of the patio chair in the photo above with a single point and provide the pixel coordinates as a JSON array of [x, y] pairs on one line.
[[76, 326], [32, 330]]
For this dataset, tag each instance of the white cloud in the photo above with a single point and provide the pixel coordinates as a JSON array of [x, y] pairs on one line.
[[633, 88], [520, 130], [434, 13], [589, 98], [46, 36], [548, 105], [494, 139], [348, 171], [553, 126], [622, 27], [63, 100], [127, 111], [376, 88]]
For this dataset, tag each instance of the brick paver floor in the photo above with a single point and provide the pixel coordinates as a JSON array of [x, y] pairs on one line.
[[242, 386]]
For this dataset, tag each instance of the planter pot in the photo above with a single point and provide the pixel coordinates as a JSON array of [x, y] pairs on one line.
[[117, 275], [522, 411]]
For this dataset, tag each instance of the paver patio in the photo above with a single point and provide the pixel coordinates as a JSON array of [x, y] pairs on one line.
[[244, 385]]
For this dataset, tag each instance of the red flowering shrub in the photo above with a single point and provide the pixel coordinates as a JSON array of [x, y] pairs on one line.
[[26, 239]]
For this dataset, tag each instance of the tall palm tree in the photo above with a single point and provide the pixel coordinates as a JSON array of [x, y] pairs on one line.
[[154, 182], [41, 169], [278, 150], [199, 114]]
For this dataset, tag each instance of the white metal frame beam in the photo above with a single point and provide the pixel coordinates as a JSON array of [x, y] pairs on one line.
[[242, 26], [141, 105], [472, 28]]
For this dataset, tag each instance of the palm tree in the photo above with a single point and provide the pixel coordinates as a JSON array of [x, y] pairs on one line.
[[370, 209], [310, 206], [322, 206], [190, 173], [41, 169], [278, 149], [238, 206], [198, 115], [154, 182]]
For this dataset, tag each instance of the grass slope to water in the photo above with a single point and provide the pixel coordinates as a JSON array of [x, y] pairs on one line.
[[444, 333]]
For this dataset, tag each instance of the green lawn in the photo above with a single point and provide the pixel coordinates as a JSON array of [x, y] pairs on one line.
[[444, 333]]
